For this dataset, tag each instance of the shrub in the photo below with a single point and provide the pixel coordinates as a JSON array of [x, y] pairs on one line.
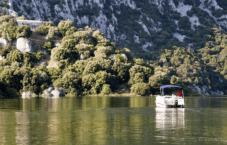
[[42, 30], [174, 80], [33, 57], [53, 31], [106, 50], [139, 74], [106, 89], [121, 70], [88, 81], [15, 55], [91, 67], [157, 80], [184, 23], [47, 23], [69, 44], [142, 89], [23, 31], [8, 27], [67, 54], [6, 49], [48, 46], [70, 31], [119, 59], [64, 26]]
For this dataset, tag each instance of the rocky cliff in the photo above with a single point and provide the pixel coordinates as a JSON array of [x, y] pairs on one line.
[[144, 25]]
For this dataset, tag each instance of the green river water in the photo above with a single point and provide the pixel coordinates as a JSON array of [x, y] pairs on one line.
[[112, 121]]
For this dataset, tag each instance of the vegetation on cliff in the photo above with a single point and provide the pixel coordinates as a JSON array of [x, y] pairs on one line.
[[86, 63]]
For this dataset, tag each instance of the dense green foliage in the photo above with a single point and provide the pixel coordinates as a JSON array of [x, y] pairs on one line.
[[8, 27], [24, 31], [86, 63]]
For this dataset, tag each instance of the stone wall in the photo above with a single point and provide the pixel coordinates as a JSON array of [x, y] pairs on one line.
[[32, 23]]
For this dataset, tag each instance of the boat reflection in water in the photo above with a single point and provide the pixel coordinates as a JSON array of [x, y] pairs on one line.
[[169, 118]]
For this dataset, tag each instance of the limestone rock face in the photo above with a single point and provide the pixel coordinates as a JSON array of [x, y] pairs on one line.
[[81, 57], [46, 93], [54, 93], [28, 95], [56, 44], [3, 42], [24, 45]]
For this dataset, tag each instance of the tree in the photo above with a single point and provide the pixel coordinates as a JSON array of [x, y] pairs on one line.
[[106, 89], [91, 67], [63, 26], [184, 23], [174, 80], [121, 71], [8, 27], [157, 80], [139, 74], [42, 30], [142, 89]]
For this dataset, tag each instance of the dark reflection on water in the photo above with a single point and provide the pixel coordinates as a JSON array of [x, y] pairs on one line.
[[112, 120]]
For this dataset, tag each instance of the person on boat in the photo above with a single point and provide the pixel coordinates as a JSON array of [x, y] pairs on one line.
[[179, 92]]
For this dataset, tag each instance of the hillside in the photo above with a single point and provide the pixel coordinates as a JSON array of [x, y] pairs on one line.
[[145, 26], [164, 42]]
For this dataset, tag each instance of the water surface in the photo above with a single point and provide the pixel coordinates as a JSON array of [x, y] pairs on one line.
[[112, 120]]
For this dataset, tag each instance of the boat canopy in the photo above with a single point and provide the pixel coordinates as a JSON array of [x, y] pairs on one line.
[[170, 86]]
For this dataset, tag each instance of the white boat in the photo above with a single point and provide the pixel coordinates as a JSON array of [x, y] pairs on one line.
[[175, 100]]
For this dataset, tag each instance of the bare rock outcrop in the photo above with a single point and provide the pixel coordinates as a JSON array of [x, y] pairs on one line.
[[28, 95], [3, 42], [24, 45], [53, 93]]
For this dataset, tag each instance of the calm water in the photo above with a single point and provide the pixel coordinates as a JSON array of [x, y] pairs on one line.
[[112, 121]]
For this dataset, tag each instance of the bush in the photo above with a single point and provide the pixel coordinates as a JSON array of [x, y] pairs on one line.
[[70, 82], [69, 44], [48, 46], [184, 23], [106, 89], [42, 30], [121, 70], [64, 26], [139, 74], [66, 54], [88, 82], [23, 31], [14, 55], [33, 57], [53, 31], [157, 80], [70, 31], [47, 23], [8, 27], [142, 89], [6, 49], [174, 80], [91, 67], [106, 50]]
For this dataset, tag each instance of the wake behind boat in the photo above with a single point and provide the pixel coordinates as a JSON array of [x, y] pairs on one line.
[[175, 100]]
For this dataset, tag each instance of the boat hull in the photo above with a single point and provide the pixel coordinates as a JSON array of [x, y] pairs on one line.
[[169, 102]]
